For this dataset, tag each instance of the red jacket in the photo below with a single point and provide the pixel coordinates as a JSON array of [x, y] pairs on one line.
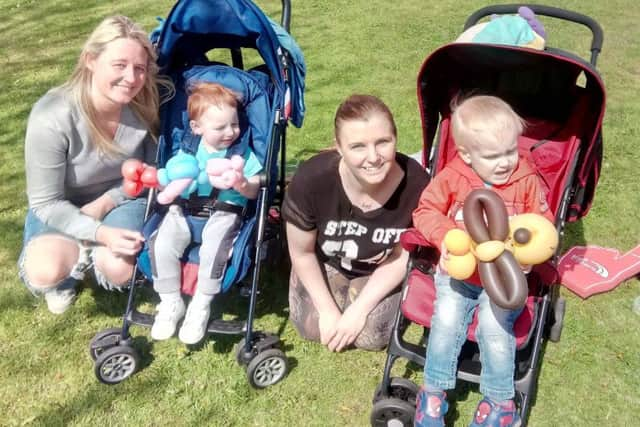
[[440, 205]]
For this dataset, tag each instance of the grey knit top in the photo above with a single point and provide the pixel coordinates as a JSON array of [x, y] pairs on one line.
[[65, 170]]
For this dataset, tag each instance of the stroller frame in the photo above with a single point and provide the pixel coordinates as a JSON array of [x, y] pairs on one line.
[[395, 397], [265, 363]]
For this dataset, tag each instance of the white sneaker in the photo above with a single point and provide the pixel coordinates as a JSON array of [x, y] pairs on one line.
[[59, 301], [195, 323], [169, 314]]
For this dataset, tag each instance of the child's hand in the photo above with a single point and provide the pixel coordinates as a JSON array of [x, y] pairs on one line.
[[226, 180], [240, 184], [444, 257], [226, 173], [526, 268]]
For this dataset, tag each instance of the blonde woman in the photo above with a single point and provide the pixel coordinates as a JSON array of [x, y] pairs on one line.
[[77, 137]]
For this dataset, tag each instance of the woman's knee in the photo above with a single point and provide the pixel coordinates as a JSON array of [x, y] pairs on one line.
[[117, 270], [303, 315], [379, 326], [372, 342], [307, 328], [48, 260]]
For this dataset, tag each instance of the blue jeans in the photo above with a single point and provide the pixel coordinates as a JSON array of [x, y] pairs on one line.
[[455, 304], [129, 215]]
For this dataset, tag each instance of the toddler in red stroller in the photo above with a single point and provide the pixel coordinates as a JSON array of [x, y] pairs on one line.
[[485, 130], [561, 99]]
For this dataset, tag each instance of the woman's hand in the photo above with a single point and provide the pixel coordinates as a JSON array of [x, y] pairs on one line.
[[327, 322], [99, 207], [120, 241], [348, 328]]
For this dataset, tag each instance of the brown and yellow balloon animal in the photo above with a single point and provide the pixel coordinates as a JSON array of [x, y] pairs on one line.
[[498, 247]]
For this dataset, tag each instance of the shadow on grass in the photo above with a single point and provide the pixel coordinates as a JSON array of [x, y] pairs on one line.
[[110, 303], [233, 304], [574, 235], [144, 347], [99, 398], [459, 394]]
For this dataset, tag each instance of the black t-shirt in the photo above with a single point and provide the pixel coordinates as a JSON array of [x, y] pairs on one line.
[[353, 241]]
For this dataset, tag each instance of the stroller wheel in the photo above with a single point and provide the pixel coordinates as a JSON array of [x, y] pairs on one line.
[[400, 388], [267, 368], [392, 412], [104, 340], [243, 358], [116, 364], [558, 319]]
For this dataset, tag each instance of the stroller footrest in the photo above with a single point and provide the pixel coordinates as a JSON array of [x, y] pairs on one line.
[[229, 327], [138, 318]]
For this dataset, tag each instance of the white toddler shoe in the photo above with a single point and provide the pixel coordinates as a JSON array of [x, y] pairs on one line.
[[195, 323], [169, 314]]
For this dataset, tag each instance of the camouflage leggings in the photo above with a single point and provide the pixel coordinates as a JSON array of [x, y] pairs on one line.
[[304, 316]]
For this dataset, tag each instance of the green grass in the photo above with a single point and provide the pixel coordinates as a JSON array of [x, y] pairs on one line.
[[591, 377]]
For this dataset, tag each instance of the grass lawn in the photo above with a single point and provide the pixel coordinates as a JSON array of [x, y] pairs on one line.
[[590, 378]]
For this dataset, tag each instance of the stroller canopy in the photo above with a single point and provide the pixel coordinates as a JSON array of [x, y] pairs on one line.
[[550, 86], [194, 27]]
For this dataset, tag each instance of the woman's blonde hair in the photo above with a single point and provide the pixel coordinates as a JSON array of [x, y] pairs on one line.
[[481, 119], [145, 104]]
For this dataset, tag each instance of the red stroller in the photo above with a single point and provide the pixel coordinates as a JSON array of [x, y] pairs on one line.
[[562, 98]]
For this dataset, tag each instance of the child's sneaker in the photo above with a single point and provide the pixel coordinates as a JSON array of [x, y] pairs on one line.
[[195, 323], [169, 314], [59, 300], [430, 408], [492, 414]]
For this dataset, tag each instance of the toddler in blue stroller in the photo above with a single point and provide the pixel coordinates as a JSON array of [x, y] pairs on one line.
[[213, 213], [238, 222]]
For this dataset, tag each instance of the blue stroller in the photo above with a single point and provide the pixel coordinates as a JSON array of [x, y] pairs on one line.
[[272, 95]]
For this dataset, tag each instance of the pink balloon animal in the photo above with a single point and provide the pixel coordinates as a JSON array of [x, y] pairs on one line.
[[225, 173]]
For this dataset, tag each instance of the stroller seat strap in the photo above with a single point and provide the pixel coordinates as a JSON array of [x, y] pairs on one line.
[[204, 207]]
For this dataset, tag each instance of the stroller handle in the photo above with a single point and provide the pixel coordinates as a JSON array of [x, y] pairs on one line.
[[554, 12], [285, 19]]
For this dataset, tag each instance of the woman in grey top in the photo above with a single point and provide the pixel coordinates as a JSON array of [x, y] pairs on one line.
[[78, 136]]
